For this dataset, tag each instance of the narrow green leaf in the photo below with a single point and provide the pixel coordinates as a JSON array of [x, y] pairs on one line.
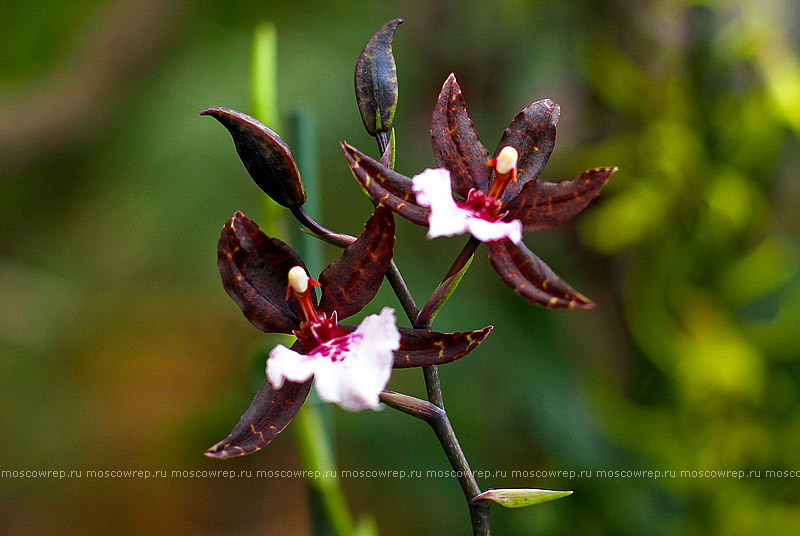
[[367, 526], [443, 293], [264, 75], [264, 104]]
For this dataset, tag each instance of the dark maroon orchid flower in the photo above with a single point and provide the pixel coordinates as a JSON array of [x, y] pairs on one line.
[[495, 198], [350, 365]]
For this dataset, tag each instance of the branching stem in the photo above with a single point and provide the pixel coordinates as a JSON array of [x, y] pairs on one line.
[[432, 411]]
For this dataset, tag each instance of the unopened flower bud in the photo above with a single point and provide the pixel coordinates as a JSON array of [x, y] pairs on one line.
[[265, 155], [376, 81]]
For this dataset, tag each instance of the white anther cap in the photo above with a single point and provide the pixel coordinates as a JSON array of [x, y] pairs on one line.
[[506, 160], [298, 280]]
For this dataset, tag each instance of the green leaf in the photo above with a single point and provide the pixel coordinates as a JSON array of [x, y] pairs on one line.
[[367, 526], [443, 293], [519, 497], [387, 158]]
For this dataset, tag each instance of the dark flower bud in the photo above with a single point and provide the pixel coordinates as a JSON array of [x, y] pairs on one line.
[[376, 81], [265, 156]]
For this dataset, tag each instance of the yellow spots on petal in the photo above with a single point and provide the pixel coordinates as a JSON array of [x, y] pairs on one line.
[[256, 432], [545, 283], [384, 198], [272, 427], [400, 205], [553, 301]]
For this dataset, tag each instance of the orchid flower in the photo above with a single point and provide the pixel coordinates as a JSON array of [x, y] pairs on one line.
[[349, 369], [497, 198], [348, 365], [480, 215]]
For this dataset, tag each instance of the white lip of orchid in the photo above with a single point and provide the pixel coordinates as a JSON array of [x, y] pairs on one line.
[[432, 188], [351, 370], [506, 160], [298, 280]]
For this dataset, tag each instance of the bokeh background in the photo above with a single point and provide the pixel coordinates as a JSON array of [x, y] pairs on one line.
[[120, 350]]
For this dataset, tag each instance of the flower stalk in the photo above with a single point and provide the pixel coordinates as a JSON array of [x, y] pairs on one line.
[[493, 199]]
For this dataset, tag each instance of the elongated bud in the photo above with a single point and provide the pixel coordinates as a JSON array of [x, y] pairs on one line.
[[376, 81], [265, 155], [518, 498]]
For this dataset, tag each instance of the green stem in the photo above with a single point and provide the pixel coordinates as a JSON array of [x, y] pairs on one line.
[[317, 457], [478, 513], [328, 502]]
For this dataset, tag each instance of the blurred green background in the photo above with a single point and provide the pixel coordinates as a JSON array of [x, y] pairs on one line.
[[120, 350]]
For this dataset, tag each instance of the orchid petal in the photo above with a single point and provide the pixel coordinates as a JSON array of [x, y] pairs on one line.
[[285, 364], [351, 281], [533, 134], [385, 185], [531, 278], [456, 145], [269, 413], [356, 381], [254, 270], [543, 205], [419, 348]]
